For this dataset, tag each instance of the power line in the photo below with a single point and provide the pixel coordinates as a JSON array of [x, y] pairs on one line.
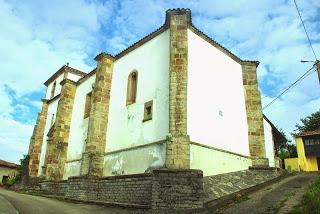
[[289, 87], [305, 30]]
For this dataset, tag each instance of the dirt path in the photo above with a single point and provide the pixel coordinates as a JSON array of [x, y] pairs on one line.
[[26, 204], [280, 197]]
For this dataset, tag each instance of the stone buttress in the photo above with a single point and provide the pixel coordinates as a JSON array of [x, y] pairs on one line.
[[178, 143], [37, 140], [57, 144], [254, 114], [93, 158]]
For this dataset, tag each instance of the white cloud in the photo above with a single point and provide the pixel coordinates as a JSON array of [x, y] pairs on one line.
[[271, 32], [14, 139], [37, 38]]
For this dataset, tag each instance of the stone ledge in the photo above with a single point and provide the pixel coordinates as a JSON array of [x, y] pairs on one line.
[[177, 171], [135, 147], [64, 81], [267, 168], [213, 205], [219, 150], [48, 181], [111, 177]]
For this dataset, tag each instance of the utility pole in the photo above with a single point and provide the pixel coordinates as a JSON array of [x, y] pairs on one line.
[[317, 64]]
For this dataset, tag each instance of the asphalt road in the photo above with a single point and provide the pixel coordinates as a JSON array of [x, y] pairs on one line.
[[12, 202], [280, 197]]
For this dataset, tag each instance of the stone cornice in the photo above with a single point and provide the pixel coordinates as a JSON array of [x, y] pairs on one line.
[[68, 81], [103, 55], [178, 11], [44, 100], [53, 98]]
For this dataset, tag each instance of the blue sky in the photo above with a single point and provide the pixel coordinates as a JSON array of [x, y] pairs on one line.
[[37, 37]]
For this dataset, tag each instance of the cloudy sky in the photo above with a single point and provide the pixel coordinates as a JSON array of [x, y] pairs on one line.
[[37, 37]]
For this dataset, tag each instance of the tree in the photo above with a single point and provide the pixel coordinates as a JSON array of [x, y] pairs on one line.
[[286, 149], [309, 123]]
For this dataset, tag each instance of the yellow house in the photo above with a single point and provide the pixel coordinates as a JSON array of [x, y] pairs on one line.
[[308, 148]]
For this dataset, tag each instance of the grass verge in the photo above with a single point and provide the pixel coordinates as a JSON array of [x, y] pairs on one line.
[[310, 201]]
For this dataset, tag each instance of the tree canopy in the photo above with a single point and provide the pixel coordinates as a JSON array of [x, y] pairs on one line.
[[309, 123]]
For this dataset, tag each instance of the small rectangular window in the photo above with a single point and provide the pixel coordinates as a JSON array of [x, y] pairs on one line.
[[148, 108], [87, 108], [52, 120], [53, 89]]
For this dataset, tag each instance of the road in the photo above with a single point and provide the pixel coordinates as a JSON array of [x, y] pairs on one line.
[[12, 202], [279, 198]]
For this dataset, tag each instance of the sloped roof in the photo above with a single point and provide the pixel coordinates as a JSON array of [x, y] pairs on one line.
[[166, 26], [63, 69], [8, 164], [163, 28], [308, 133]]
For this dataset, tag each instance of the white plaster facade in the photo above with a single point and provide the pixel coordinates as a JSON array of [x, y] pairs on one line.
[[57, 88], [269, 142], [213, 161], [216, 103], [52, 111], [216, 112]]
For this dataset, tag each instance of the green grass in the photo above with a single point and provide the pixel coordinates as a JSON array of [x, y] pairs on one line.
[[310, 201]]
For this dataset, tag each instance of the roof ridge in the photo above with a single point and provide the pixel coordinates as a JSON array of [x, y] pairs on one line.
[[214, 42], [8, 164], [143, 40], [64, 68]]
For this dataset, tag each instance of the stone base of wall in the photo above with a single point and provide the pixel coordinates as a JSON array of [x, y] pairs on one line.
[[160, 189], [218, 186], [256, 161]]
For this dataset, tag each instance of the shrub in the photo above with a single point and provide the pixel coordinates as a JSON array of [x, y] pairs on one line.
[[311, 200]]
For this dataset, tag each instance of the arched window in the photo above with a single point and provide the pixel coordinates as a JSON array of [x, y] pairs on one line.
[[53, 89], [132, 87], [87, 107]]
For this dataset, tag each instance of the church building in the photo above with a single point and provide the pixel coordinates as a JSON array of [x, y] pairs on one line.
[[175, 99]]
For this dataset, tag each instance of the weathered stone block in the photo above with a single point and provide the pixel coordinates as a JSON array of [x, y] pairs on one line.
[[93, 158], [254, 113]]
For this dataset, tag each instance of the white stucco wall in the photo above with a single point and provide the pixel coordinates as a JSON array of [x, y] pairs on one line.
[[213, 162], [269, 144], [70, 76], [216, 102], [52, 112], [73, 77], [78, 129], [125, 126], [57, 89], [135, 161]]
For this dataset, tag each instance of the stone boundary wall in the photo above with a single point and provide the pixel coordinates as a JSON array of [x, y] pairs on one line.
[[217, 186], [160, 189], [177, 189], [58, 188], [126, 190]]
